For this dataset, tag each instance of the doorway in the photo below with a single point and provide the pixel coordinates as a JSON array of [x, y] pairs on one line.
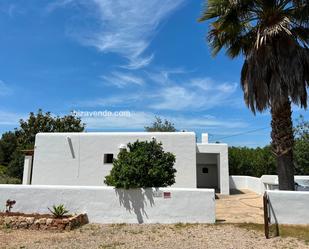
[[207, 176]]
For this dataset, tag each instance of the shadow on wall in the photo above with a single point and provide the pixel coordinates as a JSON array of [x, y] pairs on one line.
[[135, 200]]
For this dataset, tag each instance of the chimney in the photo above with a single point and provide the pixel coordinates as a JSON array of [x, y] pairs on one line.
[[204, 138]]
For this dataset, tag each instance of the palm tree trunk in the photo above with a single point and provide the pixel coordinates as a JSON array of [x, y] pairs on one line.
[[282, 144]]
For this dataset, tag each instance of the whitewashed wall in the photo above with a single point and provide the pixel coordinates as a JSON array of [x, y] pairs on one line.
[[108, 205], [222, 160], [258, 185], [289, 207], [247, 182], [82, 163]]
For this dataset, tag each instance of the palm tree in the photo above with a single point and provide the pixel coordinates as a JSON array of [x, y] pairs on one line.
[[273, 38]]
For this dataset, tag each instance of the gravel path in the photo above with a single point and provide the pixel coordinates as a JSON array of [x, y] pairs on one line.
[[185, 236]]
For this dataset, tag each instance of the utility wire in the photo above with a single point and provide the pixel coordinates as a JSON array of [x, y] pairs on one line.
[[243, 133]]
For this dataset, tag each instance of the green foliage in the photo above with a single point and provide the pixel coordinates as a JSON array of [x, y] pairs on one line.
[[301, 157], [45, 122], [8, 144], [12, 143], [58, 211], [252, 162], [260, 161], [144, 164], [5, 179], [160, 126], [16, 165]]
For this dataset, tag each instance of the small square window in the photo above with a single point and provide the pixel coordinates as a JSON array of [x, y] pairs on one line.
[[205, 170], [108, 158]]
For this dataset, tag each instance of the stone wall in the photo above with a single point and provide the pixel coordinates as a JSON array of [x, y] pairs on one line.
[[42, 223]]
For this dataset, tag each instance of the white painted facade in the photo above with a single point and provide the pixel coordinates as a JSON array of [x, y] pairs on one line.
[[215, 158], [109, 205], [78, 158], [289, 207]]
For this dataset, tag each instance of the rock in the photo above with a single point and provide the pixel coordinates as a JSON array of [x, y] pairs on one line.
[[49, 221], [37, 221], [42, 221], [27, 222], [7, 220], [30, 220], [22, 224], [65, 221]]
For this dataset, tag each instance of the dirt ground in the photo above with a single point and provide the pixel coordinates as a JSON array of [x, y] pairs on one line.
[[185, 236], [240, 207]]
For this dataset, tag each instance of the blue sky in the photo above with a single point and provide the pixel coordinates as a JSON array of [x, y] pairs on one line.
[[145, 57]]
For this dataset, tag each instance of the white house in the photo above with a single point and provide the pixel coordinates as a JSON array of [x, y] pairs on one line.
[[84, 159]]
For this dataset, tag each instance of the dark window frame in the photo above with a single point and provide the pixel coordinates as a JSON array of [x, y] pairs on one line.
[[205, 170], [108, 158]]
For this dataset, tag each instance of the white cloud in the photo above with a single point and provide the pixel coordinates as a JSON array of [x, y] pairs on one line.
[[175, 98], [58, 4], [10, 118], [124, 27], [138, 120], [121, 79], [109, 101], [200, 93], [4, 89], [195, 94], [163, 76], [227, 87]]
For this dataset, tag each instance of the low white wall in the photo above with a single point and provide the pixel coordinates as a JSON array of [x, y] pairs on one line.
[[247, 182], [258, 185], [109, 205], [289, 207]]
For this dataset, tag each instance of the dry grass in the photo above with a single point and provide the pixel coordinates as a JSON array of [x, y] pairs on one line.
[[285, 231], [180, 235]]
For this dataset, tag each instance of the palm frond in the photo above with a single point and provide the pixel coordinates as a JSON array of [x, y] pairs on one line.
[[273, 35]]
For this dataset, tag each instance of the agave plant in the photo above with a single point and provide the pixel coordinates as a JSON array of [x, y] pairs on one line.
[[273, 38], [58, 211]]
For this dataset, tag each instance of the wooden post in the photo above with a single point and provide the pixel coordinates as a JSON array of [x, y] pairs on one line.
[[266, 216]]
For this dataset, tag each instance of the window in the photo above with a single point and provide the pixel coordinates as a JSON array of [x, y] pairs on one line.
[[205, 170], [108, 158]]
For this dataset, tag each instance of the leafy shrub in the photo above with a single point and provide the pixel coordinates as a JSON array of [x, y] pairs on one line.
[[161, 126], [251, 161], [58, 211], [5, 179], [143, 165]]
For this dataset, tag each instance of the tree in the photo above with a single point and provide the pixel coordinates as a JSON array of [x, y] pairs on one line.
[[251, 161], [8, 145], [45, 122], [12, 143], [145, 164], [161, 126], [273, 36]]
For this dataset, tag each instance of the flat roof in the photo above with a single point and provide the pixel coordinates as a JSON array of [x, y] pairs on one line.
[[113, 133]]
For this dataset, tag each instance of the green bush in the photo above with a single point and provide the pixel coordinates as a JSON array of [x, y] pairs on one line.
[[143, 165], [251, 161], [4, 179]]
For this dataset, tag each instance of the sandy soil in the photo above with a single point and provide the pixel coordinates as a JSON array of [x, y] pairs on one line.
[[240, 207], [187, 236]]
